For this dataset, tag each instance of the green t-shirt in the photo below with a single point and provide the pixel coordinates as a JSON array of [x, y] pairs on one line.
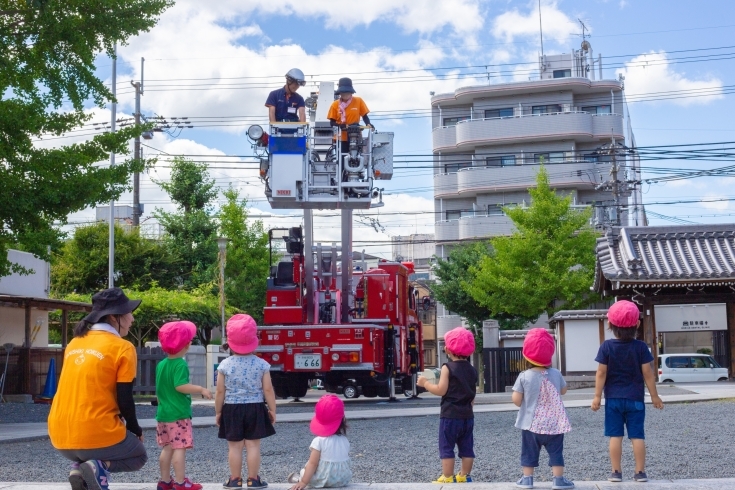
[[172, 405]]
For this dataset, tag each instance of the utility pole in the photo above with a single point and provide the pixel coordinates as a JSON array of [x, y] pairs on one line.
[[615, 188], [136, 176], [111, 260]]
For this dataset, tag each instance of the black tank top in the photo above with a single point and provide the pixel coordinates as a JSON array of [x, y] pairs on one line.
[[457, 402]]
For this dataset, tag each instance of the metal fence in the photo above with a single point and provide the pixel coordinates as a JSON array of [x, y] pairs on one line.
[[501, 367]]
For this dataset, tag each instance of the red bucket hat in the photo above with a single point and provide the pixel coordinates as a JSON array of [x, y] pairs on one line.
[[538, 347], [623, 314], [460, 341], [242, 334], [328, 414], [174, 336]]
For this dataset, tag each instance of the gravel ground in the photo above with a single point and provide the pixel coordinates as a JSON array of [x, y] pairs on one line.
[[689, 440], [11, 413]]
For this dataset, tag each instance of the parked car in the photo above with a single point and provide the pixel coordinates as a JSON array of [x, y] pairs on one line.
[[679, 368]]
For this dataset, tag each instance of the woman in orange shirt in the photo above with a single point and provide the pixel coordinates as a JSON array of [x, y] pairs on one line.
[[347, 110], [92, 420]]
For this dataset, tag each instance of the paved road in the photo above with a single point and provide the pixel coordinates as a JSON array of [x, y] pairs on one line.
[[587, 485], [427, 405]]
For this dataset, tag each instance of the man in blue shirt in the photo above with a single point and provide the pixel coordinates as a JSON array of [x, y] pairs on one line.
[[284, 104]]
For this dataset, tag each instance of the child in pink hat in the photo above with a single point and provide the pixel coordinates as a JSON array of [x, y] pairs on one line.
[[245, 403], [174, 432], [624, 367], [542, 417], [329, 462], [456, 386]]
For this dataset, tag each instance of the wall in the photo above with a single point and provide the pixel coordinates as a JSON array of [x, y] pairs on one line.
[[12, 326], [35, 284]]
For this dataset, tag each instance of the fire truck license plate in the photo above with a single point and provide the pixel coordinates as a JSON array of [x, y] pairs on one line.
[[307, 361]]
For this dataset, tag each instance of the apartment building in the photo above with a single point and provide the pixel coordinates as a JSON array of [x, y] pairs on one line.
[[490, 140]]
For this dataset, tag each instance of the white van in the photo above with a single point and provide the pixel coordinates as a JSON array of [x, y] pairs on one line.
[[679, 368]]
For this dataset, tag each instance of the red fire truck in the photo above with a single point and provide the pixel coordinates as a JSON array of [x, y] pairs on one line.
[[377, 352]]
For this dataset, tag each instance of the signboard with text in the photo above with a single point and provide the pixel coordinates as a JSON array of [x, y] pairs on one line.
[[690, 318]]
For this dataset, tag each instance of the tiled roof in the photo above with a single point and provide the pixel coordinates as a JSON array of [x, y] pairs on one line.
[[666, 256], [578, 315]]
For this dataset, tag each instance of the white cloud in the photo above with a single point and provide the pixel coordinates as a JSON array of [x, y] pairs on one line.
[[419, 16], [652, 75], [713, 203], [513, 24]]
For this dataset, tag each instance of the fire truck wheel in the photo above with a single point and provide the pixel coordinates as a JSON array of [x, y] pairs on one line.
[[281, 391], [350, 391]]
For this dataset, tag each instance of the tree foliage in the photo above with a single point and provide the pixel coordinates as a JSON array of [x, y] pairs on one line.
[[547, 264], [47, 54], [248, 262], [82, 263], [191, 230], [159, 306]]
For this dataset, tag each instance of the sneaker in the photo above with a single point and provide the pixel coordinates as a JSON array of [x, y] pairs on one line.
[[257, 482], [615, 476], [560, 483], [525, 482], [463, 478], [640, 476], [95, 474], [294, 477], [76, 479], [163, 485], [445, 479], [233, 483], [186, 485]]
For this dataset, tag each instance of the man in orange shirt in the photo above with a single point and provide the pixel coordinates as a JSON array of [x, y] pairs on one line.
[[92, 420], [347, 110]]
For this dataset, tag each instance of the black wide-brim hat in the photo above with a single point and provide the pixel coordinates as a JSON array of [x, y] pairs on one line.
[[110, 302], [345, 85]]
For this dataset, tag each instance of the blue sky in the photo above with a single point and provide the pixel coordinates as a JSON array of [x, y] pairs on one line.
[[229, 39]]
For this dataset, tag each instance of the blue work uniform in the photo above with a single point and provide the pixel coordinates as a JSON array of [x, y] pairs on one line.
[[287, 105]]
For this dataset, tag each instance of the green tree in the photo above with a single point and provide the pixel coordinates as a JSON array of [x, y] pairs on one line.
[[47, 55], [191, 229], [82, 263], [248, 262], [451, 290], [159, 306], [547, 264]]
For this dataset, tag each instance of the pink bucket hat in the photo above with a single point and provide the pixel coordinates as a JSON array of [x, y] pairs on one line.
[[328, 414], [242, 334], [174, 336], [538, 347], [460, 341], [623, 314]]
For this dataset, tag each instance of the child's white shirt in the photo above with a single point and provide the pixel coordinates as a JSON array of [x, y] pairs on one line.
[[334, 448]]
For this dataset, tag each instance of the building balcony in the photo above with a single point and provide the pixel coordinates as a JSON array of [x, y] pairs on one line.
[[484, 226], [574, 125], [445, 184], [444, 137], [473, 180], [446, 323], [447, 231]]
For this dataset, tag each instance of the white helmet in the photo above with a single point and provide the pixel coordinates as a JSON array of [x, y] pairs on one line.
[[296, 75]]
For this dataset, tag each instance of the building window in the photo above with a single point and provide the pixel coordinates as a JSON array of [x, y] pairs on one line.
[[546, 109], [563, 73], [597, 109], [451, 168], [494, 209], [505, 112], [501, 161], [552, 157], [591, 157], [452, 121], [451, 215]]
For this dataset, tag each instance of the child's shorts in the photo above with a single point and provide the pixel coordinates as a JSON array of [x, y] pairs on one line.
[[621, 412], [177, 434], [457, 432], [531, 444], [245, 421]]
